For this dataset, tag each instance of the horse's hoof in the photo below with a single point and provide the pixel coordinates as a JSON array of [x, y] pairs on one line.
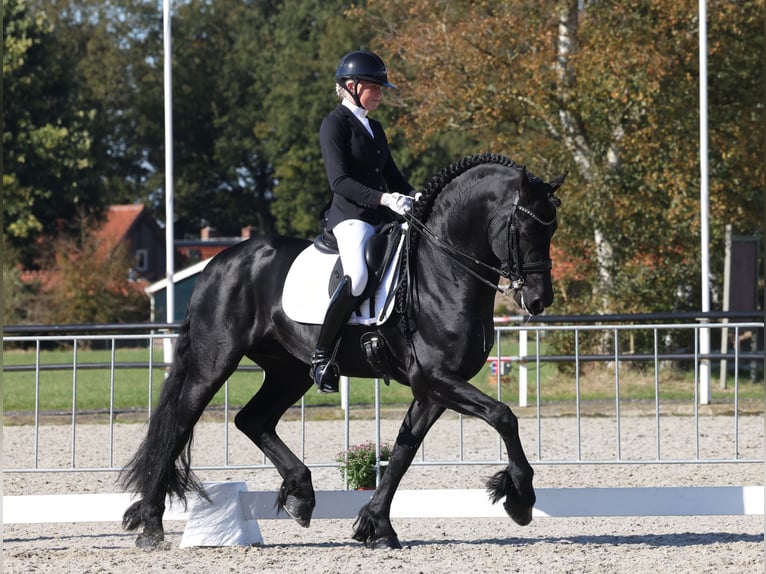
[[521, 515], [149, 541], [299, 510], [385, 543]]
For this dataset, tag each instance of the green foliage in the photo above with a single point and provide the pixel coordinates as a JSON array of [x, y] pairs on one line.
[[309, 38], [91, 284], [358, 464], [115, 48], [47, 144], [609, 91], [83, 119], [222, 177], [16, 295], [84, 281]]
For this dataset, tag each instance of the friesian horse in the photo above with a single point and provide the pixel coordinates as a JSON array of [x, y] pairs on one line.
[[477, 220]]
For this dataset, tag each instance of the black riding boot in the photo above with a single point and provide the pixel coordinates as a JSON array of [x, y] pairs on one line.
[[323, 369]]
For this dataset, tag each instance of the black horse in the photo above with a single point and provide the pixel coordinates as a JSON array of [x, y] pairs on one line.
[[478, 219]]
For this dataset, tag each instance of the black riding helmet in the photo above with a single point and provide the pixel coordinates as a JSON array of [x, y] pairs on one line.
[[361, 65]]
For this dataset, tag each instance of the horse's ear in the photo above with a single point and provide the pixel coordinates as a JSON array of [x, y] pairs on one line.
[[524, 178], [557, 182]]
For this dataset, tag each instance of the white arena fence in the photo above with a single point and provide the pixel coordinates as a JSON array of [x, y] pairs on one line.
[[521, 354], [736, 367]]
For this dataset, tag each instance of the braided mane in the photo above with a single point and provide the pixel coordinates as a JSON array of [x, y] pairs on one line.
[[422, 209]]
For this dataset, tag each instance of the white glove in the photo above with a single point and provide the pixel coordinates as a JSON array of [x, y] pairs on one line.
[[397, 202]]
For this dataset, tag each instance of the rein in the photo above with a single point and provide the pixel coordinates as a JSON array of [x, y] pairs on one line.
[[514, 269], [454, 253]]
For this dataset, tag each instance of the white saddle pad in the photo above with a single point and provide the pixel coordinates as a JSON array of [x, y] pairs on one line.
[[305, 294]]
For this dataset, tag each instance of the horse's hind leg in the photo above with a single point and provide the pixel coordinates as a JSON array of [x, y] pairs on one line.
[[162, 465], [168, 440], [286, 380]]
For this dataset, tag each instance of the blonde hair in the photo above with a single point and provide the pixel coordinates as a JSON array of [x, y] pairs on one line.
[[341, 91]]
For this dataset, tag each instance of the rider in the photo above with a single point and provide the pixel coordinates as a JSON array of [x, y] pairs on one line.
[[364, 179]]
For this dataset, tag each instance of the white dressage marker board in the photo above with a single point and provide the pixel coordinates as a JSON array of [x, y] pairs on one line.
[[230, 518]]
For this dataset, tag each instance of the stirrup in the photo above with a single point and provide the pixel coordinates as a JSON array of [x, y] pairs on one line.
[[325, 374]]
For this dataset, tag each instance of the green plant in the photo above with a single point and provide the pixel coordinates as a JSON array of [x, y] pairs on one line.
[[357, 464]]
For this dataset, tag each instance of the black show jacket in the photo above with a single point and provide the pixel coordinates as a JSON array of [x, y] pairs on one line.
[[359, 168]]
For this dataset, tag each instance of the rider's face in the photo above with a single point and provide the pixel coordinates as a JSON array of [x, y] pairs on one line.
[[369, 94]]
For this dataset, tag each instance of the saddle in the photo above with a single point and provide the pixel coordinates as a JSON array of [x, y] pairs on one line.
[[316, 271], [378, 251]]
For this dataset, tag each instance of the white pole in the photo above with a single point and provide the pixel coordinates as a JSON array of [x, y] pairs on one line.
[[523, 397], [169, 247], [344, 393], [725, 305], [704, 206]]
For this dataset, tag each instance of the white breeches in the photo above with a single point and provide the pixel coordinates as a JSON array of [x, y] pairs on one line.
[[352, 235]]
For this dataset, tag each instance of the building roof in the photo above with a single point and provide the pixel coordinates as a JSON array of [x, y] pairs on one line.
[[120, 219]]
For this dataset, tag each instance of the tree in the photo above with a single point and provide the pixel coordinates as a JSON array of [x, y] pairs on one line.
[[251, 83], [608, 90], [88, 282], [115, 47], [309, 38], [46, 138], [222, 177], [16, 295]]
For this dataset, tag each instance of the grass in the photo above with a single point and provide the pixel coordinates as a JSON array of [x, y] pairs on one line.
[[130, 387]]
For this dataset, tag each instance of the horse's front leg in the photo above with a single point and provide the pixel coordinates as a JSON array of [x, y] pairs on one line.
[[373, 525], [515, 482]]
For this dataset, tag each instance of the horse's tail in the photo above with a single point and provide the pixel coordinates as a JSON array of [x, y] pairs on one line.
[[165, 453]]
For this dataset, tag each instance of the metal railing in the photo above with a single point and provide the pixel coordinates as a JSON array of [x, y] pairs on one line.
[[655, 334]]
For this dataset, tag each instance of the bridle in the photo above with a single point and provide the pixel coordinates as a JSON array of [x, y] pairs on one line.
[[513, 268]]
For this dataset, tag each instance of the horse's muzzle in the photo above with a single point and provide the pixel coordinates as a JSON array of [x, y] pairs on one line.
[[535, 307], [531, 302]]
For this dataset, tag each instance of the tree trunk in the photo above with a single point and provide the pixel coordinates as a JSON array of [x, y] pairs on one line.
[[573, 135]]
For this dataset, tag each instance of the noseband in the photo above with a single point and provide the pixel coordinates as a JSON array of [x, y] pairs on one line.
[[512, 268]]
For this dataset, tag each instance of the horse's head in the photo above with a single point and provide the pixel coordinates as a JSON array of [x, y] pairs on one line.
[[523, 243]]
